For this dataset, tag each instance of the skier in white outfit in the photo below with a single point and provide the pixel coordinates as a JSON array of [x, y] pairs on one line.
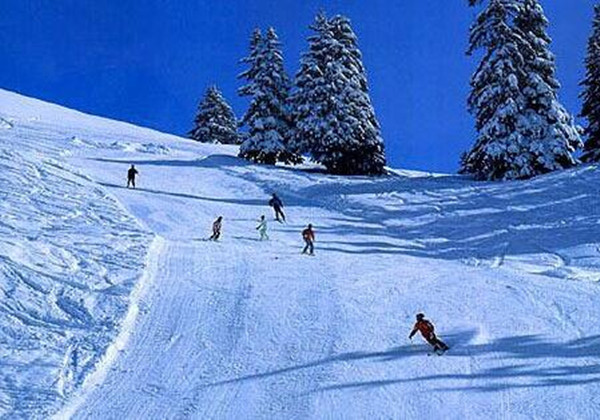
[[262, 228]]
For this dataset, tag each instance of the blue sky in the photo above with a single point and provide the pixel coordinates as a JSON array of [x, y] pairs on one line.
[[148, 62]]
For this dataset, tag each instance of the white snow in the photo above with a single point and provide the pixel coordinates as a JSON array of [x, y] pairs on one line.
[[113, 305]]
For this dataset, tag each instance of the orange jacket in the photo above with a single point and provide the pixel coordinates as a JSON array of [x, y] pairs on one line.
[[308, 235], [425, 327]]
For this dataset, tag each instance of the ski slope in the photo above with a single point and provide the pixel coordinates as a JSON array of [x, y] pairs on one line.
[[114, 306]]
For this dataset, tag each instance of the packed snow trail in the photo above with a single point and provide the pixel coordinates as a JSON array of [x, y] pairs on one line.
[[252, 329], [249, 329]]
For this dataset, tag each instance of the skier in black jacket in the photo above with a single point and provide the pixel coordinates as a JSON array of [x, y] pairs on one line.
[[131, 174], [216, 227], [277, 205]]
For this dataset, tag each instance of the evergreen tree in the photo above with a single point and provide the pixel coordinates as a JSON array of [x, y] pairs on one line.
[[523, 130], [335, 120], [495, 98], [256, 44], [268, 116], [215, 122], [310, 83], [591, 93], [553, 132]]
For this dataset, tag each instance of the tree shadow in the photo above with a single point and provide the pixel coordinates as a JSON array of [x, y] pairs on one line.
[[248, 202], [516, 375], [442, 217], [518, 352], [211, 161], [456, 219], [392, 354]]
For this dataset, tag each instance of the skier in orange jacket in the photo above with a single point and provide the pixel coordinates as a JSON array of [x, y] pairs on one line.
[[427, 330], [308, 235]]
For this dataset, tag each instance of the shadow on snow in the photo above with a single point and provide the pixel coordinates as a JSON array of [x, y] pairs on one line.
[[442, 217], [212, 161], [249, 202], [524, 373]]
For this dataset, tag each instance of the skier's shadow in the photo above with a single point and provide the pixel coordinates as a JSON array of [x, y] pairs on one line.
[[396, 353], [517, 353], [246, 239], [455, 341], [497, 378]]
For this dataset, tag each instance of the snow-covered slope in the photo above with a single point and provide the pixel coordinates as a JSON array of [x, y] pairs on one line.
[[114, 307]]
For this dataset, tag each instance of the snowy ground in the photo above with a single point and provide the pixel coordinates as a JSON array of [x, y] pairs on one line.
[[246, 329]]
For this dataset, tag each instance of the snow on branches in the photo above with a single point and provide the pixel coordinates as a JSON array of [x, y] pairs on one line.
[[523, 130]]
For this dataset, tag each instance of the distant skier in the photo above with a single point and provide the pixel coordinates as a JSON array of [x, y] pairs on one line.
[[427, 330], [308, 235], [277, 205], [216, 227], [131, 174], [262, 228]]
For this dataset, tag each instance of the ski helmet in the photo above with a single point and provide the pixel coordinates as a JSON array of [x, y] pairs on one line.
[[420, 316]]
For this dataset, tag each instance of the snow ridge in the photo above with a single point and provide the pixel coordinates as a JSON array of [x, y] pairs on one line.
[[126, 329], [69, 258]]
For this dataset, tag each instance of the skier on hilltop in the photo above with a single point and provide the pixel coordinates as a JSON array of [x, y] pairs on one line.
[[262, 228], [277, 205], [427, 330], [131, 174], [216, 227]]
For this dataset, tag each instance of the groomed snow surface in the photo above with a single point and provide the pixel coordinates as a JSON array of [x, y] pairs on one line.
[[114, 306]]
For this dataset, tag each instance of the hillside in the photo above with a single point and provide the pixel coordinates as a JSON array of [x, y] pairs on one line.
[[114, 305]]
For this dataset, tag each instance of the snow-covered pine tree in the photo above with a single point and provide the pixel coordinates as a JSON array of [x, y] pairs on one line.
[[268, 116], [310, 86], [554, 136], [334, 119], [591, 93], [256, 44], [523, 131], [215, 121], [495, 98]]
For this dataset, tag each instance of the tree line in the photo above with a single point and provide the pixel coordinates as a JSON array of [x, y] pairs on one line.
[[326, 112]]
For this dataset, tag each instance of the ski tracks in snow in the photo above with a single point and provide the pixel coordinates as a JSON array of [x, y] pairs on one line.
[[172, 346], [227, 330], [208, 341], [127, 328]]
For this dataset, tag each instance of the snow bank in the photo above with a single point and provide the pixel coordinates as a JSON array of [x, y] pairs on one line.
[[69, 258]]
